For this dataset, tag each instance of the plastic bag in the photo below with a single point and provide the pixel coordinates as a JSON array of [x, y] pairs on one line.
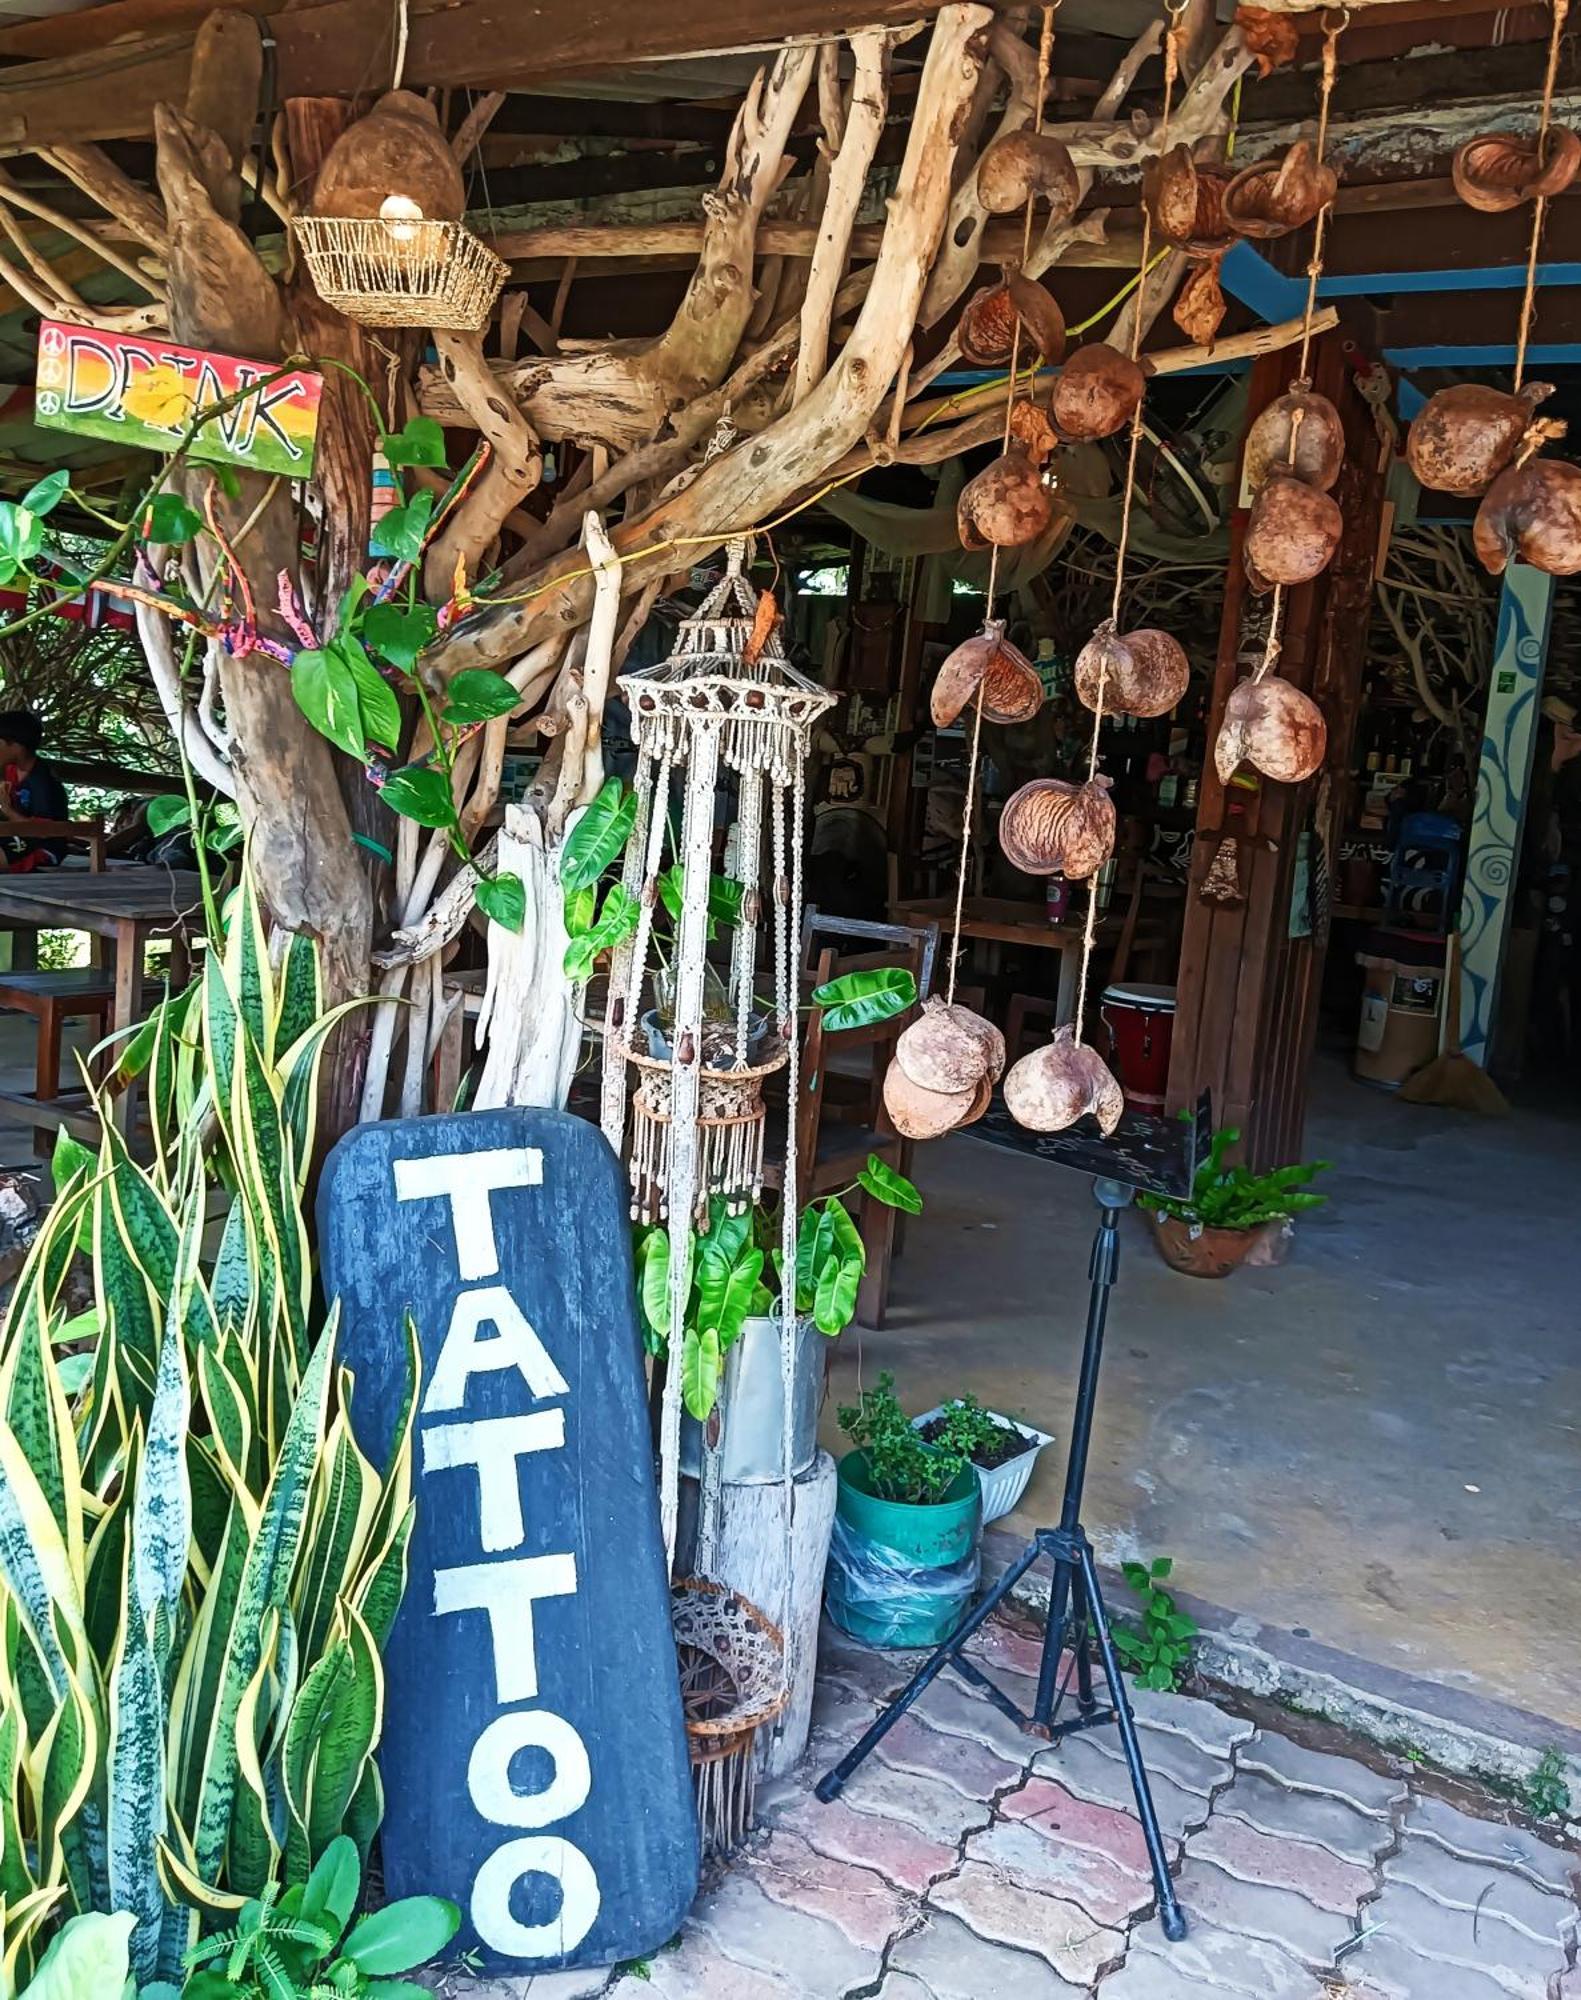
[[877, 1595]]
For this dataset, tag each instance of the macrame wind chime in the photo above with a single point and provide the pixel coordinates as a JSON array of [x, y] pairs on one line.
[[1474, 439], [726, 700]]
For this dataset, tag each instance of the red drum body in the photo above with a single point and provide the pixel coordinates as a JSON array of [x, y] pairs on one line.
[[1141, 1024]]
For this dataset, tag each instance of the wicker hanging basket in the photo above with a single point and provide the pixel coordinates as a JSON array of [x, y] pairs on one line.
[[402, 273], [732, 1666]]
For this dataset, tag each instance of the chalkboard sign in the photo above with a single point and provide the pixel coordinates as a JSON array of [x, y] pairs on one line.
[[534, 1756]]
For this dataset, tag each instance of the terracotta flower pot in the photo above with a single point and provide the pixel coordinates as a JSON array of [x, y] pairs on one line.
[[1215, 1253]]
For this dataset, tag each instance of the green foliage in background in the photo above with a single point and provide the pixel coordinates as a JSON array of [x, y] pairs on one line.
[[901, 1466], [1157, 1648]]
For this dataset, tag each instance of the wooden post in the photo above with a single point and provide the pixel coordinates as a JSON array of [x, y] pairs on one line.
[[1246, 1014]]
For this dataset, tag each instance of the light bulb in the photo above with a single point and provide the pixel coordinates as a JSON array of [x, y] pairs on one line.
[[400, 215]]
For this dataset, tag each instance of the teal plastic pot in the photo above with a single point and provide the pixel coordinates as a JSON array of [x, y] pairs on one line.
[[901, 1575]]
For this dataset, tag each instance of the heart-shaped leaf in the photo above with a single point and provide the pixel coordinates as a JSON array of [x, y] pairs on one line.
[[326, 692], [43, 498], [166, 813], [503, 899], [167, 521], [599, 835], [616, 922], [398, 634], [860, 999], [377, 706], [476, 695], [419, 441], [420, 792], [879, 1179], [403, 530]]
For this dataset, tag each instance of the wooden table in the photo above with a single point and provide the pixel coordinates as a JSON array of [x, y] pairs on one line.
[[128, 906], [1001, 920]]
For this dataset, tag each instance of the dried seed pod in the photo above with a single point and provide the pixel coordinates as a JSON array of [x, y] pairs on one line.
[[398, 144], [1030, 426], [1005, 504], [1292, 532], [1199, 304], [1096, 393], [989, 1039], [1274, 39], [919, 1113], [1142, 673], [1040, 316], [940, 1052], [1276, 196], [1028, 166], [1319, 441], [1051, 1088], [979, 1104], [1186, 204], [1050, 827], [1275, 728], [987, 329], [1463, 437], [1012, 691], [1532, 511], [1499, 170]]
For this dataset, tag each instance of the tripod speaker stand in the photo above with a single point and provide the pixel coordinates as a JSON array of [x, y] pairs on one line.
[[1076, 1608]]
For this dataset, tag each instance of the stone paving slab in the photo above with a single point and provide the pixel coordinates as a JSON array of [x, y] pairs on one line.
[[1219, 1961], [999, 1909], [931, 1805], [951, 1705], [1165, 1754], [1385, 1965], [1091, 1773], [1471, 1939], [697, 1970], [1305, 1770], [1060, 1815], [1256, 1909], [965, 1762], [1310, 1870], [953, 1963], [1326, 1821], [865, 1908], [1489, 1840], [1108, 1893], [1144, 1977], [1544, 1915], [750, 1928], [892, 1848]]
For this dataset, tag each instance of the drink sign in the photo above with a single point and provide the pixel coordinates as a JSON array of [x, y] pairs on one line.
[[139, 391], [534, 1756]]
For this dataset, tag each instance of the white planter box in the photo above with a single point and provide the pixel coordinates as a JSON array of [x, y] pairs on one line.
[[1005, 1484]]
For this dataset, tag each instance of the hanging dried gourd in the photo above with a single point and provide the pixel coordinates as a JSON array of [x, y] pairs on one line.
[[1027, 166], [1463, 437], [1275, 728], [398, 149], [1050, 1089], [1011, 689], [919, 1113], [1318, 440], [1006, 505], [1277, 196], [1199, 306], [1186, 203], [987, 331], [1051, 827], [1291, 533], [1497, 171], [1096, 393], [1144, 673], [1533, 512]]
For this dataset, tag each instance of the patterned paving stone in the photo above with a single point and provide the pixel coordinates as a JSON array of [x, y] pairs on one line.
[[1082, 1767], [928, 1804], [1545, 1916], [953, 1963], [838, 1710], [1313, 1872], [1002, 1644], [1064, 1817], [1108, 1893], [1165, 1754], [1315, 1771], [863, 1669], [1386, 1966], [901, 1986], [698, 1970], [1489, 1840], [969, 1765], [1210, 1728], [1277, 1916], [998, 1909], [1224, 1961], [865, 1908], [537, 1986], [754, 1930], [1474, 1940], [1329, 1822], [951, 1706], [891, 1847]]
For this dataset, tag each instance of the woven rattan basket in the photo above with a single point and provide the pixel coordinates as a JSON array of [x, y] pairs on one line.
[[732, 1663], [406, 273]]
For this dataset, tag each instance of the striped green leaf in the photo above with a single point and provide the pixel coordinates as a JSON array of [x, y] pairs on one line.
[[136, 1775], [247, 967], [301, 995], [345, 1497]]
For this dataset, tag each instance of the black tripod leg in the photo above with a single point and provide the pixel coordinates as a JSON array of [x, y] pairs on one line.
[[1170, 1914], [1062, 1598], [1080, 1620], [832, 1783]]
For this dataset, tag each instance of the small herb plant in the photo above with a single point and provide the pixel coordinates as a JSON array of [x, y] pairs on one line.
[[1234, 1197], [964, 1425], [902, 1466], [736, 1276], [1157, 1648], [1545, 1794]]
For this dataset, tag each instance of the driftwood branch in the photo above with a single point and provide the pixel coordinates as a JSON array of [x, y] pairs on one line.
[[515, 462], [862, 128]]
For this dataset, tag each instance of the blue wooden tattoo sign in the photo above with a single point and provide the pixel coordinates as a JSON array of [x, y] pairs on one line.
[[534, 1755]]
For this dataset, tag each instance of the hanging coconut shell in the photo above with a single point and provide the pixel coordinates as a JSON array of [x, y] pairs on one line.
[[1040, 316], [1050, 827], [1292, 531], [949, 1048], [1006, 504], [986, 334], [1051, 1088], [1276, 196], [1499, 170], [1142, 673], [1186, 203], [1463, 437], [1275, 728], [1532, 511], [1274, 39], [1096, 393], [1319, 441], [1012, 691], [919, 1113], [1028, 166], [1199, 304], [398, 148]]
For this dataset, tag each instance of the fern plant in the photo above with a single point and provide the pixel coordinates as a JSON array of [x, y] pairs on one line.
[[1225, 1197], [198, 1566]]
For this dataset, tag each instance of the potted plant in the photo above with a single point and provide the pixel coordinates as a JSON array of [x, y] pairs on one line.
[[1003, 1450], [730, 1346], [1232, 1216], [904, 1559]]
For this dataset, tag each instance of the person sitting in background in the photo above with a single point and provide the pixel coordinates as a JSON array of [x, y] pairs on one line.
[[29, 789]]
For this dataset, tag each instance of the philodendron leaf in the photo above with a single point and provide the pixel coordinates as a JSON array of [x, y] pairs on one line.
[[47, 495], [503, 899], [879, 1179], [598, 836], [326, 692], [860, 999], [476, 695], [420, 792], [167, 812], [403, 530], [616, 921], [419, 441], [700, 1362]]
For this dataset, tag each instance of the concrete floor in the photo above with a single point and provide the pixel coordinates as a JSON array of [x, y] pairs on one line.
[[1375, 1445]]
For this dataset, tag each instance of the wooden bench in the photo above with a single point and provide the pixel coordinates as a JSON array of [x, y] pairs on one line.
[[53, 999]]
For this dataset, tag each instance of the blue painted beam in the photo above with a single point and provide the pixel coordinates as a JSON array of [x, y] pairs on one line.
[[1248, 274], [1553, 354]]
